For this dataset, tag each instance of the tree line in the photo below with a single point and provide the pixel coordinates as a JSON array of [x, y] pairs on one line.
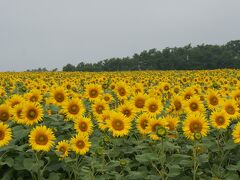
[[178, 58]]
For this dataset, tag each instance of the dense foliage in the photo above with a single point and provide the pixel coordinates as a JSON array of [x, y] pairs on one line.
[[182, 58], [120, 125]]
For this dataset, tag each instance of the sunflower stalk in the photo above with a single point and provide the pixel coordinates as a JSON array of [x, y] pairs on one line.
[[195, 161]]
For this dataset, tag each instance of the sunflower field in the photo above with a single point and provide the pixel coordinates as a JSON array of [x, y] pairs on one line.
[[120, 125]]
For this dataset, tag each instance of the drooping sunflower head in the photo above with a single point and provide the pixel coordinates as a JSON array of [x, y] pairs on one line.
[[4, 112], [5, 134], [83, 126], [220, 119], [172, 122], [41, 138], [63, 148], [102, 120], [80, 144], [195, 124], [31, 113], [118, 124]]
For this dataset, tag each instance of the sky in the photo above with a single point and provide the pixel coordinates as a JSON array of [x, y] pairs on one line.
[[53, 33]]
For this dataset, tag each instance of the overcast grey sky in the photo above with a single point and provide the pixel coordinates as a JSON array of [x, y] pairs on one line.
[[52, 33]]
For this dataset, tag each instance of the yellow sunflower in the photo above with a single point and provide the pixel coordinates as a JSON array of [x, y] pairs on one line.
[[83, 126], [172, 122], [213, 99], [58, 96], [99, 106], [41, 138], [14, 100], [231, 108], [153, 106], [194, 105], [80, 144], [34, 96], [142, 124], [195, 124], [31, 113], [176, 105], [93, 91], [5, 134], [153, 126], [4, 113], [139, 101], [236, 133], [122, 90], [63, 148], [73, 108], [127, 110], [102, 120], [220, 119], [118, 124], [17, 113]]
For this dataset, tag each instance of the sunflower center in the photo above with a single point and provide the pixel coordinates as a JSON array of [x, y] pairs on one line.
[[155, 127], [42, 139], [195, 127], [4, 116], [214, 101], [127, 112], [118, 125], [59, 97], [32, 114], [121, 91], [176, 90], [194, 106], [63, 149], [139, 103], [188, 96], [177, 105], [166, 88], [230, 109], [19, 113], [73, 109], [106, 98], [93, 93], [83, 126], [33, 99], [2, 135], [15, 103], [80, 144], [220, 120], [153, 108], [144, 124], [100, 109]]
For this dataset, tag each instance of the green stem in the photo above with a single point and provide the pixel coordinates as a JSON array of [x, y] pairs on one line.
[[195, 163]]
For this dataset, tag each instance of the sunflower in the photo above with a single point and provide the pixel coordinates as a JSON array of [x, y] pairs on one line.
[[14, 100], [58, 96], [34, 96], [122, 90], [176, 105], [5, 134], [236, 133], [41, 138], [195, 124], [220, 119], [62, 148], [31, 113], [73, 108], [231, 108], [127, 110], [17, 113], [118, 124], [194, 105], [107, 97], [213, 99], [99, 106], [4, 112], [142, 124], [139, 101], [80, 144], [153, 106], [153, 126], [188, 93], [93, 91], [83, 125], [102, 120], [172, 122]]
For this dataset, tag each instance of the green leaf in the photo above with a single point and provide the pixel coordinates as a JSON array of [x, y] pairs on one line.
[[28, 163], [174, 170], [147, 157], [54, 176]]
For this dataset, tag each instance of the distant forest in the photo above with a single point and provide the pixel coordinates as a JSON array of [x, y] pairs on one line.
[[178, 58]]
